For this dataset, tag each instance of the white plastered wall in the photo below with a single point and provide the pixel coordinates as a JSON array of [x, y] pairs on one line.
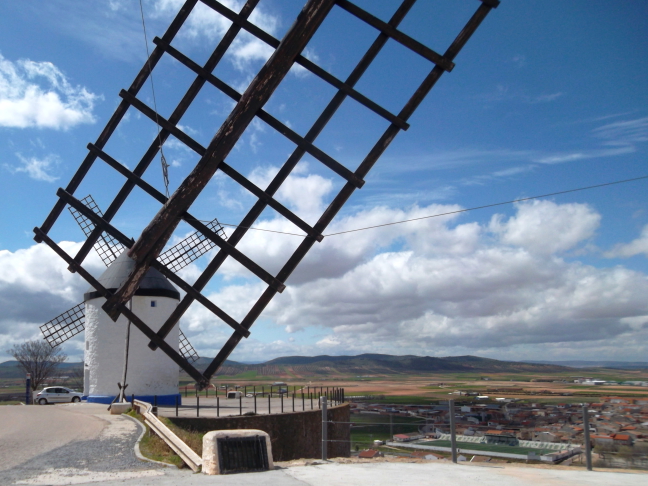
[[149, 372]]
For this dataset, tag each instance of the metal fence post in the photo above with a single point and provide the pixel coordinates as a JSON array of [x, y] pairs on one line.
[[28, 393], [324, 427], [268, 404], [453, 437], [197, 406], [586, 432], [281, 395], [176, 400], [240, 405], [293, 402], [218, 406]]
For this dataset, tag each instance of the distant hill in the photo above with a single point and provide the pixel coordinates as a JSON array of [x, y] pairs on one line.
[[376, 364], [372, 364], [619, 365]]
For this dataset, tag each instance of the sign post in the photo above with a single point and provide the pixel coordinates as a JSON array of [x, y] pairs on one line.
[[28, 389]]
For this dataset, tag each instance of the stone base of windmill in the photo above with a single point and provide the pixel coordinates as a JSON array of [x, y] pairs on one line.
[[236, 451]]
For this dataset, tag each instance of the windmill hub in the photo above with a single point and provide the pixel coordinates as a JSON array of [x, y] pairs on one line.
[[150, 373]]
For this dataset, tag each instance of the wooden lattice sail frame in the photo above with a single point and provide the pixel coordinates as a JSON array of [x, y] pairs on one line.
[[146, 250]]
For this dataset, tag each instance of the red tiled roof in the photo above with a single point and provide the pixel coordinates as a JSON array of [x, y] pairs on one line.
[[369, 454]]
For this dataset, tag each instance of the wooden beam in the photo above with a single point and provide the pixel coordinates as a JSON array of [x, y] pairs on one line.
[[160, 229]]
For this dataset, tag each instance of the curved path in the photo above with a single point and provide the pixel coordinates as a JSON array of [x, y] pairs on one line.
[[68, 444]]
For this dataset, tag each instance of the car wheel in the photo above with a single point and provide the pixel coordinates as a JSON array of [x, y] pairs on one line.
[[76, 399], [42, 401]]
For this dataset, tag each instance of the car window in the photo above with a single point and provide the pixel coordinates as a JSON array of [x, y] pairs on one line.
[[63, 390], [48, 390]]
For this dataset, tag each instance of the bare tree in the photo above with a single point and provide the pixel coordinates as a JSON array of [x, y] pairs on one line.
[[38, 358]]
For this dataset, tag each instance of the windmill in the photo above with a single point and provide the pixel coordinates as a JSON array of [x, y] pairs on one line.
[[72, 322], [249, 105], [103, 345]]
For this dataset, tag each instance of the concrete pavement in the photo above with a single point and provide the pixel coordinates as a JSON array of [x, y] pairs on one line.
[[83, 444], [29, 431], [401, 474], [68, 444]]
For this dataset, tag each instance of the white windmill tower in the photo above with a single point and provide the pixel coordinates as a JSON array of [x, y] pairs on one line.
[[151, 375]]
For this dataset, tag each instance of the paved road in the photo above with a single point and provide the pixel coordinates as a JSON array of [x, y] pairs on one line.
[[27, 432], [68, 444]]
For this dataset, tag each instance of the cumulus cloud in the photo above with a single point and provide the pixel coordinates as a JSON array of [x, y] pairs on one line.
[[36, 286], [541, 228], [635, 247], [205, 23], [38, 94], [444, 285]]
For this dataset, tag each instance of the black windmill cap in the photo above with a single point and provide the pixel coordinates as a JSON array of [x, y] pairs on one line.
[[153, 284]]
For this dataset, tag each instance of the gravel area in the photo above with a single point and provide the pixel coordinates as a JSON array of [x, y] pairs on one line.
[[109, 456]]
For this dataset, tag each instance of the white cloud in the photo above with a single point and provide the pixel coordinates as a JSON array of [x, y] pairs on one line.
[[547, 228], [504, 93], [435, 285], [38, 94], [635, 247], [205, 23], [38, 169], [618, 138], [36, 286]]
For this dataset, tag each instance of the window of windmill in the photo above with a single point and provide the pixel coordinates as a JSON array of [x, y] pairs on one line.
[[153, 303]]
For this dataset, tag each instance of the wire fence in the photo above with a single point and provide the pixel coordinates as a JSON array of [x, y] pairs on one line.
[[249, 400], [427, 437]]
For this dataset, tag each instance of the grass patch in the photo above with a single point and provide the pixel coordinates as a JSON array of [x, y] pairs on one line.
[[154, 447], [368, 428], [399, 400], [10, 402]]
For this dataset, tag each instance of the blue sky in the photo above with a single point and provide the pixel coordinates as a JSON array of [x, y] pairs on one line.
[[545, 97]]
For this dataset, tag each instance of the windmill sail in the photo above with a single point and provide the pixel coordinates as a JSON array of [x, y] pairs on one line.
[[64, 326], [106, 246], [248, 106], [186, 349], [175, 258], [71, 322]]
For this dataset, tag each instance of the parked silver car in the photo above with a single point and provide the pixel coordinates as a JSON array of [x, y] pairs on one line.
[[55, 394]]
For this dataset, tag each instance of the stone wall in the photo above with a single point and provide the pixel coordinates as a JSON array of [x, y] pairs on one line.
[[293, 435]]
